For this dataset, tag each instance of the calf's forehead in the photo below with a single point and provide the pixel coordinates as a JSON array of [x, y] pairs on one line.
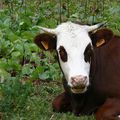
[[73, 40], [72, 34]]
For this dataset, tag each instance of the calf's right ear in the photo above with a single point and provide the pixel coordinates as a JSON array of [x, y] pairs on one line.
[[45, 41]]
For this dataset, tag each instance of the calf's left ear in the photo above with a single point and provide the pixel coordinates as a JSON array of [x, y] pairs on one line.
[[101, 37], [46, 41]]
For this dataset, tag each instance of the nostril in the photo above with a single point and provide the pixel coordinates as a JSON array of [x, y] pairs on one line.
[[85, 77], [73, 80], [80, 77], [79, 80]]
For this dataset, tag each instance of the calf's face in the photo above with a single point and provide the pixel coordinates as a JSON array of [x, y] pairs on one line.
[[74, 48], [73, 45]]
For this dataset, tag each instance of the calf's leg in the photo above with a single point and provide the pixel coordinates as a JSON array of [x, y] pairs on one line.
[[110, 110], [62, 103]]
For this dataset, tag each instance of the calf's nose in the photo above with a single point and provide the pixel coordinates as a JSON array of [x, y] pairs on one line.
[[79, 80]]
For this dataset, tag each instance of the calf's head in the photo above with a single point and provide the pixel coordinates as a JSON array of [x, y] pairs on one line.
[[74, 48]]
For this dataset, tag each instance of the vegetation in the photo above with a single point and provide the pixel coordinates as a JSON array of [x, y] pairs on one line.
[[29, 77]]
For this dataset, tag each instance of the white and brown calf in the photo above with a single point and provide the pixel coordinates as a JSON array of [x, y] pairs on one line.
[[86, 60]]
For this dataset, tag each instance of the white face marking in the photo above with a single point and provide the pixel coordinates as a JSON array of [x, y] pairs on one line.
[[74, 38]]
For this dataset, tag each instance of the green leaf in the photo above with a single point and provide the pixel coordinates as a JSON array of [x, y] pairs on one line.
[[37, 71], [44, 76], [28, 35], [3, 75], [11, 36], [16, 54], [13, 65], [27, 69], [7, 22], [33, 47], [3, 64]]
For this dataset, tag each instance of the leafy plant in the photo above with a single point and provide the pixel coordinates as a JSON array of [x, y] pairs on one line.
[[29, 77], [14, 94]]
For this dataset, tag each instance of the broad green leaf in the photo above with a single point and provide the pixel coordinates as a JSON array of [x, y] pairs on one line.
[[44, 76], [16, 54], [26, 69], [3, 75], [28, 35], [12, 36]]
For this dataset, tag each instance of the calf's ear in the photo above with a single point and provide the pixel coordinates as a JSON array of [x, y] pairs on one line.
[[45, 41], [101, 37]]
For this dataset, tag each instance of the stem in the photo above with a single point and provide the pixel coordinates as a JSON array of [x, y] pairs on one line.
[[68, 9], [103, 8], [85, 8], [60, 9], [25, 5]]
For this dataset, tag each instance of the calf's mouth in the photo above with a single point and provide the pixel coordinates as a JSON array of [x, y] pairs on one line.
[[78, 89]]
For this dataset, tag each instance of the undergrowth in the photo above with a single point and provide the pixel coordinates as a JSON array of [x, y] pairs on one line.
[[29, 77]]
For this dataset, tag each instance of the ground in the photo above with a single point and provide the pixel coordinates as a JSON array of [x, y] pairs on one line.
[[38, 105]]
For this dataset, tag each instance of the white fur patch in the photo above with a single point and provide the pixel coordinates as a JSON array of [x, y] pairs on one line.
[[74, 38]]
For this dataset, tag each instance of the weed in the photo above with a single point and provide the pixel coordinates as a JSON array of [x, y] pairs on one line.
[[30, 78]]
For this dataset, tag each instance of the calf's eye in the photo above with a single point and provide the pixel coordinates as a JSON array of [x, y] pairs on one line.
[[63, 54], [88, 53]]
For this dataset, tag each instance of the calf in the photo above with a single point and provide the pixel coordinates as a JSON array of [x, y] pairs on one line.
[[90, 62]]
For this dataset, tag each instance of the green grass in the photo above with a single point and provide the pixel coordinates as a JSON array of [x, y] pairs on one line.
[[38, 106]]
